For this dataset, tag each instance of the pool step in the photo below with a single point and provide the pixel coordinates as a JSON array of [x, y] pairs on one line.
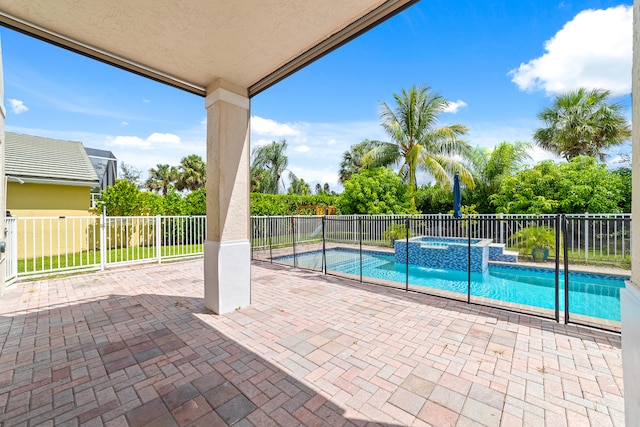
[[367, 262], [497, 252]]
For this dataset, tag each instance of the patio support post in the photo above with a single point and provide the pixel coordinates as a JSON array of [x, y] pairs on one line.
[[227, 250], [3, 186], [630, 296]]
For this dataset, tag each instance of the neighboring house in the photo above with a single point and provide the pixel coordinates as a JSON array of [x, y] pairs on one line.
[[47, 177], [106, 166]]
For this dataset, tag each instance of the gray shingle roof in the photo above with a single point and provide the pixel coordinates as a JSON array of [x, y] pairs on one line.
[[28, 156]]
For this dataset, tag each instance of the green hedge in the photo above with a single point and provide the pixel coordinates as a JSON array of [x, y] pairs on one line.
[[287, 204]]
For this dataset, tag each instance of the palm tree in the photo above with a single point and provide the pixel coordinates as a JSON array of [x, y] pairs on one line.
[[582, 123], [192, 173], [352, 161], [273, 159], [415, 141], [260, 180], [161, 178], [490, 166], [298, 186]]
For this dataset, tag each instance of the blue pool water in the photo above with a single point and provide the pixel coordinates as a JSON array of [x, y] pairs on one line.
[[590, 294]]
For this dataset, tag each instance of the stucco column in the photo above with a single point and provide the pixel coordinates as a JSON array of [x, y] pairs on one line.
[[630, 297], [227, 250], [3, 186]]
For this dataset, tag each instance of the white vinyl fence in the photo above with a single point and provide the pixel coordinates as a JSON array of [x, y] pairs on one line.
[[45, 245]]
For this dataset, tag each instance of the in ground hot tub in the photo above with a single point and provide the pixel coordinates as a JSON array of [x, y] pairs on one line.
[[444, 252]]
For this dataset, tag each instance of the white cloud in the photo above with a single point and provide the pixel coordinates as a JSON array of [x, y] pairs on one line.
[[453, 107], [302, 149], [17, 106], [313, 176], [593, 50], [152, 141], [146, 101], [268, 127], [125, 124], [129, 141], [164, 138]]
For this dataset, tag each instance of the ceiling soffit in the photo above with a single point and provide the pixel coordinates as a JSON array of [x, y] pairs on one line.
[[189, 45]]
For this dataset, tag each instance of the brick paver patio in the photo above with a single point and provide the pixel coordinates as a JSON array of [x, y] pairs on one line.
[[135, 346]]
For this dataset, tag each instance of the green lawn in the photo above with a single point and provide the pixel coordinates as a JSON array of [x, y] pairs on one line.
[[89, 258]]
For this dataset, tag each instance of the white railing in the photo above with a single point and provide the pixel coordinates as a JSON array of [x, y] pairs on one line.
[[46, 245], [11, 251]]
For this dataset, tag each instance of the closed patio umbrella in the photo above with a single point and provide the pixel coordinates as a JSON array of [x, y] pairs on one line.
[[457, 197]]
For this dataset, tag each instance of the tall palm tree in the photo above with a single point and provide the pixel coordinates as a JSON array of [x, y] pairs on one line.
[[192, 173], [582, 123], [490, 167], [416, 142], [352, 161], [161, 178], [273, 159], [298, 186]]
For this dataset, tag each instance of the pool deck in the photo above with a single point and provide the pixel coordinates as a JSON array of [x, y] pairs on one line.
[[136, 346]]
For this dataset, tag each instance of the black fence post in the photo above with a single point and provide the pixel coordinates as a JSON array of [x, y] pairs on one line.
[[468, 259], [565, 253], [406, 275], [324, 246], [271, 240], [360, 243], [293, 240], [557, 275]]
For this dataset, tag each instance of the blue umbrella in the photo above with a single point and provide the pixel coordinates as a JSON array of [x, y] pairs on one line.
[[457, 197]]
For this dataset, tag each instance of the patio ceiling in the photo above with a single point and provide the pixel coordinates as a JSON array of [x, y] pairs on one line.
[[190, 45]]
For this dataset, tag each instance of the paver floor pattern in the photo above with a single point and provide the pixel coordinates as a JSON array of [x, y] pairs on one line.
[[136, 346]]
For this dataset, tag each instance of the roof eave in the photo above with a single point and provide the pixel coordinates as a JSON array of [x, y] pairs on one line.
[[52, 181]]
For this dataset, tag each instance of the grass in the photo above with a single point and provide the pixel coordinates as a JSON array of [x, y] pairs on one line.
[[92, 258]]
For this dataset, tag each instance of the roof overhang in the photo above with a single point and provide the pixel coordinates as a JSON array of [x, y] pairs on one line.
[[191, 45], [51, 181]]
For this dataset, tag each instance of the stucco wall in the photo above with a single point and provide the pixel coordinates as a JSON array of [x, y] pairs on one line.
[[630, 297], [47, 200], [2, 179], [635, 139]]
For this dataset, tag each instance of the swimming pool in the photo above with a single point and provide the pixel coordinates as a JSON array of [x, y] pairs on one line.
[[590, 294]]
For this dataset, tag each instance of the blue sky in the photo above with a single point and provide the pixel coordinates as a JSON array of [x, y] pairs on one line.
[[498, 62]]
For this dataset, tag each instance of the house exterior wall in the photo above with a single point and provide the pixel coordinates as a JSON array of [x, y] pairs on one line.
[[53, 201], [47, 200], [3, 188], [630, 296]]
